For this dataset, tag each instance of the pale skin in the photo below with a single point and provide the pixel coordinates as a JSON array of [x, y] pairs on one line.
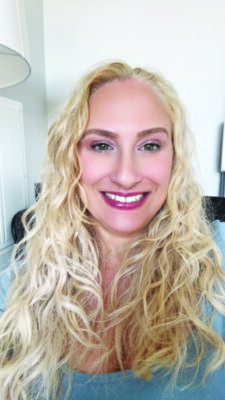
[[126, 156], [126, 148]]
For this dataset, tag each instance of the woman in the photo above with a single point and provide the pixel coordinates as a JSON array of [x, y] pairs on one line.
[[119, 290]]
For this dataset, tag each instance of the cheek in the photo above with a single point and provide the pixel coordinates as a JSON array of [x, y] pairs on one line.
[[89, 175], [160, 170], [92, 169]]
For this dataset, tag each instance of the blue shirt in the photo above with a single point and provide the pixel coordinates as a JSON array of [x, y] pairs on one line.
[[116, 386]]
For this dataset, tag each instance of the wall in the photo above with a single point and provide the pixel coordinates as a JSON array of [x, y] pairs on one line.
[[184, 39], [32, 93]]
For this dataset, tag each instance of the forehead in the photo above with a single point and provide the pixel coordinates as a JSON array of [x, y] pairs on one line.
[[127, 102], [125, 89]]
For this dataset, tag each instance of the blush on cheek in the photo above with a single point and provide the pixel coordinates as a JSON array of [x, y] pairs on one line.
[[91, 174], [93, 170], [161, 171]]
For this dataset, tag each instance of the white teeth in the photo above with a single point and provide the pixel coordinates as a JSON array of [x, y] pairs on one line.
[[123, 199]]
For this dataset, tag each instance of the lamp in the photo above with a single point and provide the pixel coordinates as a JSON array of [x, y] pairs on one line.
[[14, 52]]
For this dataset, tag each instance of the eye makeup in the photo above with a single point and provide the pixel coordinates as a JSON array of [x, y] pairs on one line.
[[101, 143], [150, 146], [100, 146]]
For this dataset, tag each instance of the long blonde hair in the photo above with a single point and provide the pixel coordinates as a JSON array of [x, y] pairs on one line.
[[174, 269]]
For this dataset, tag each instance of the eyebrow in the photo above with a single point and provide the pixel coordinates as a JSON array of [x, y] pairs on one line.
[[113, 135]]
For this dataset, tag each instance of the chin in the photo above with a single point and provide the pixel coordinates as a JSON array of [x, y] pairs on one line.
[[129, 230]]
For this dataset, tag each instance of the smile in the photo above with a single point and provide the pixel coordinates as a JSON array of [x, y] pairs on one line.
[[125, 201]]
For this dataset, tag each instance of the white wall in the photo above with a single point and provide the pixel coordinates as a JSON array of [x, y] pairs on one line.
[[184, 39], [32, 93]]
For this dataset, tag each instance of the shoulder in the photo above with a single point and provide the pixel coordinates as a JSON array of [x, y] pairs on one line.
[[5, 279], [218, 234], [6, 276]]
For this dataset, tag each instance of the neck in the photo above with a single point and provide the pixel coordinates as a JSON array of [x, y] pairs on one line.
[[111, 256], [111, 251], [112, 245]]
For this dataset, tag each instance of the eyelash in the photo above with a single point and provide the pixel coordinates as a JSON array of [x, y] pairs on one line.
[[154, 146], [97, 147]]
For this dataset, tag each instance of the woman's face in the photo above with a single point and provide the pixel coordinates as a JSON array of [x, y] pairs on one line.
[[126, 157]]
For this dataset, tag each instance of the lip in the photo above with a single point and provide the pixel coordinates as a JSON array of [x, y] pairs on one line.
[[124, 194], [125, 206]]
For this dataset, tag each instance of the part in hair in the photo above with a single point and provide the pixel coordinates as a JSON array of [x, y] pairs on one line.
[[174, 270]]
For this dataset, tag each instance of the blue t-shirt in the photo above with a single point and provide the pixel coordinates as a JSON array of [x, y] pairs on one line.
[[117, 386]]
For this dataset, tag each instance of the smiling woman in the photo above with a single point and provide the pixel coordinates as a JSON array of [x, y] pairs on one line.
[[128, 144], [119, 290]]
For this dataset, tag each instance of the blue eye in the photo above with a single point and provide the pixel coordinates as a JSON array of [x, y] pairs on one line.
[[151, 146], [100, 146]]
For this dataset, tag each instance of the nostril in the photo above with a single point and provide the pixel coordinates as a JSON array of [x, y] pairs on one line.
[[125, 176]]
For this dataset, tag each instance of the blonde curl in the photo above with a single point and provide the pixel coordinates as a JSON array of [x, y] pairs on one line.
[[174, 268]]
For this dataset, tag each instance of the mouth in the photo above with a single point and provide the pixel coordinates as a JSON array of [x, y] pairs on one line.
[[125, 198], [125, 201]]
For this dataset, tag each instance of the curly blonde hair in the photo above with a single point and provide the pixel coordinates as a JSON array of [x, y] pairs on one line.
[[174, 269]]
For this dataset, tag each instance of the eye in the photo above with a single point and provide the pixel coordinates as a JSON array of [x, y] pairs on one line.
[[101, 146], [150, 146]]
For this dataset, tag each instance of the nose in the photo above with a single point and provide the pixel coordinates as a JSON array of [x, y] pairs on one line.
[[126, 173]]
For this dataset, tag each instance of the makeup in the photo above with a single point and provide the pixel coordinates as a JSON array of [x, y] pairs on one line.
[[125, 201], [126, 157]]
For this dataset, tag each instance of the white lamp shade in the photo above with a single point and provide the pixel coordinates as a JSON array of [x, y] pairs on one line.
[[14, 52]]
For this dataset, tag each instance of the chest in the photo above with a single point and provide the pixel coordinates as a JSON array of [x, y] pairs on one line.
[[101, 358]]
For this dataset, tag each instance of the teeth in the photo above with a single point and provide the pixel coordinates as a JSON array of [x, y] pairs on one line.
[[122, 199]]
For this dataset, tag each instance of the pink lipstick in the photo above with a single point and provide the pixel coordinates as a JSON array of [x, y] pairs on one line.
[[125, 201]]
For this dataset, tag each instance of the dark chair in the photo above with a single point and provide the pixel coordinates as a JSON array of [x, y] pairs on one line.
[[215, 207], [17, 229]]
